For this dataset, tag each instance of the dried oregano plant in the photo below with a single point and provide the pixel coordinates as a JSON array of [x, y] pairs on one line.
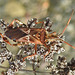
[[36, 45]]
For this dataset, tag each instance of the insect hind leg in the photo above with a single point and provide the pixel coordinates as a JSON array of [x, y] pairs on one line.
[[5, 39], [3, 24], [18, 24]]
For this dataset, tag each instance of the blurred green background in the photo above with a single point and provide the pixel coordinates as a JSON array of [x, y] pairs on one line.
[[59, 12]]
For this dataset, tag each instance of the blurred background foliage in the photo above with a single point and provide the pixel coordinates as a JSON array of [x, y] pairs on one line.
[[59, 12]]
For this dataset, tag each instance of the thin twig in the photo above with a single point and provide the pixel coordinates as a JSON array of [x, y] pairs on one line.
[[33, 66], [3, 67], [33, 71], [27, 70]]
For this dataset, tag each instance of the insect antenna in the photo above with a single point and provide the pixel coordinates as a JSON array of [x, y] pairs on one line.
[[69, 44], [65, 29], [67, 22]]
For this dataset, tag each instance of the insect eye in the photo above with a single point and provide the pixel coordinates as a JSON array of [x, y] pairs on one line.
[[14, 40]]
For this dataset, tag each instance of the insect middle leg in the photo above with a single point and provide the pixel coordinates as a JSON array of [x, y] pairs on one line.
[[33, 54], [48, 50]]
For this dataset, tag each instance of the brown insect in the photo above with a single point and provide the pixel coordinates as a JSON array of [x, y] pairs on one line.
[[32, 35]]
